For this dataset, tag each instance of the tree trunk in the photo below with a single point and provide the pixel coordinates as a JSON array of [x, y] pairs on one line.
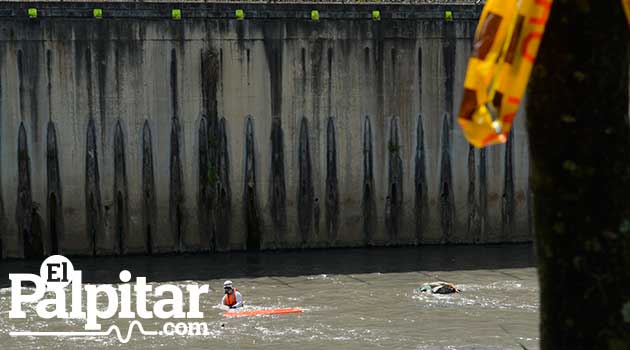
[[579, 138]]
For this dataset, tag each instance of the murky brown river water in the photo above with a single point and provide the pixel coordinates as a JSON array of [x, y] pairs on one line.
[[352, 299]]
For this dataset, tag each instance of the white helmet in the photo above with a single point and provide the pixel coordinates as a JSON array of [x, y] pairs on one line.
[[227, 283]]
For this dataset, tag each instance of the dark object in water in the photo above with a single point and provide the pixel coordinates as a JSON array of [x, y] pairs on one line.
[[439, 288]]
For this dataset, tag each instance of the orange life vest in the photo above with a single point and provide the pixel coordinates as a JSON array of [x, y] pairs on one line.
[[230, 299]]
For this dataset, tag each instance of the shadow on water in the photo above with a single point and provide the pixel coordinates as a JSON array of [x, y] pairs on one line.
[[291, 263]]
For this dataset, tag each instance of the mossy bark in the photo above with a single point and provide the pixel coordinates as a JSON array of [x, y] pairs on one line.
[[580, 150]]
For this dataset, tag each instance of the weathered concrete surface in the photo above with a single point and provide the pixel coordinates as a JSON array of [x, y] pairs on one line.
[[325, 111]]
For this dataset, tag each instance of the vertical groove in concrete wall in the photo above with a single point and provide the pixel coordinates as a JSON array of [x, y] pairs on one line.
[[419, 67], [474, 222], [316, 76], [54, 213], [393, 205], [149, 204], [366, 59], [529, 193], [252, 216], [55, 201], [90, 89], [368, 198], [420, 180], [330, 81], [176, 199], [274, 48], [303, 84], [447, 205], [28, 74], [448, 54], [305, 185], [117, 77], [421, 194], [394, 81], [248, 65], [49, 82], [2, 217], [220, 68], [483, 195], [316, 217], [209, 83], [92, 190], [121, 195], [530, 213], [332, 193], [210, 65], [173, 85], [223, 209], [102, 59], [278, 182], [207, 177], [240, 35], [379, 54], [273, 51], [507, 203], [26, 240], [20, 68]]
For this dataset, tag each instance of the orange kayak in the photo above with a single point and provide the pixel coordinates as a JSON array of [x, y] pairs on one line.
[[288, 310]]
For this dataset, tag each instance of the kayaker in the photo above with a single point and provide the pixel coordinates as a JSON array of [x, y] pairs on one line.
[[439, 288], [232, 298]]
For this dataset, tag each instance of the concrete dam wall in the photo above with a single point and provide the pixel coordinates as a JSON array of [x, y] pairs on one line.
[[136, 133]]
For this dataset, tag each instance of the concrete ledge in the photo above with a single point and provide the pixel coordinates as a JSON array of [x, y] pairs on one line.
[[18, 10]]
